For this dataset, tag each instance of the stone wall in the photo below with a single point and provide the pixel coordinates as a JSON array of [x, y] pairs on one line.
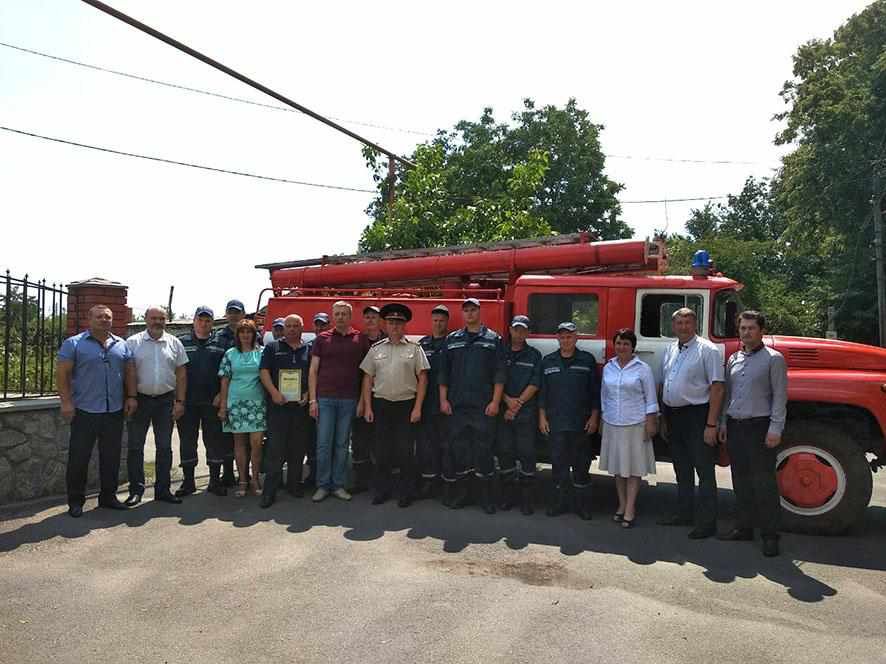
[[34, 450]]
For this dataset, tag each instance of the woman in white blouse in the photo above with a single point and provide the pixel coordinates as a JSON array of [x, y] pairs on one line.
[[630, 420]]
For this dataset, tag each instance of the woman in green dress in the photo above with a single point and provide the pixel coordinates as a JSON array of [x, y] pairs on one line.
[[242, 404]]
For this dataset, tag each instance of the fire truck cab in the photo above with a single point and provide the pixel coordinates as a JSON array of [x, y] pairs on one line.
[[834, 437]]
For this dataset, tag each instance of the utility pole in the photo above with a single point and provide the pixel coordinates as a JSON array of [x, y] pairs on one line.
[[169, 306], [877, 212]]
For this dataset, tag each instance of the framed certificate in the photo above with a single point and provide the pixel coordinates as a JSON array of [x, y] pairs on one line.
[[289, 384]]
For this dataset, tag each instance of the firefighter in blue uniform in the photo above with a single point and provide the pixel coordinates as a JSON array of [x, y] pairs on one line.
[[518, 422], [363, 432], [432, 431], [471, 379], [569, 413], [204, 356]]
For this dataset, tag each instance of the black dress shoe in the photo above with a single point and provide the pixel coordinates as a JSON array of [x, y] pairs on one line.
[[770, 546], [75, 511], [134, 499], [167, 497], [380, 498], [298, 491], [674, 520], [267, 500], [737, 535], [111, 503], [702, 533]]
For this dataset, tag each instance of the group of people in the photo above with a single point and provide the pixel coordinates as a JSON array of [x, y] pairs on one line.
[[427, 418]]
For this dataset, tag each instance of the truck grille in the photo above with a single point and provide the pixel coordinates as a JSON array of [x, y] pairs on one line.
[[803, 354]]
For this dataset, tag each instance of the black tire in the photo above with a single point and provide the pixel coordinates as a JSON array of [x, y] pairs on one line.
[[850, 508]]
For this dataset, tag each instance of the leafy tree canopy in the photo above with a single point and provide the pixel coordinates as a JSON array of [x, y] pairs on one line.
[[542, 173]]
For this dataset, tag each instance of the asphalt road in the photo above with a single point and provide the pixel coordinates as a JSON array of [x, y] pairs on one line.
[[220, 580]]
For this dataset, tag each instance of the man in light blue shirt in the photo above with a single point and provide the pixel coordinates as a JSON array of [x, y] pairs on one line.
[[93, 368]]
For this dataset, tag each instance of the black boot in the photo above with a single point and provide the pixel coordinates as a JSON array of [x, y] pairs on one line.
[[583, 503], [559, 502], [487, 500], [462, 493], [187, 486], [215, 482], [228, 478], [526, 496], [426, 488], [361, 473], [508, 493], [448, 493]]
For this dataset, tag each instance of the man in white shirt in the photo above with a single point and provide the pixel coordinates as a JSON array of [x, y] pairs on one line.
[[692, 392], [160, 360]]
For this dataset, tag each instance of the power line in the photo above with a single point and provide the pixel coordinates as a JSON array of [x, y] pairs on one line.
[[416, 132], [209, 93], [186, 163], [215, 64], [228, 171]]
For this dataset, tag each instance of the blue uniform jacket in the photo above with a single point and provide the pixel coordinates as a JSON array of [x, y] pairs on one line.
[[570, 390]]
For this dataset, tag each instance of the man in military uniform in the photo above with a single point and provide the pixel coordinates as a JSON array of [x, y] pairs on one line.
[[284, 370], [363, 432], [227, 338], [517, 425], [204, 357], [569, 413], [394, 384], [472, 377], [432, 428]]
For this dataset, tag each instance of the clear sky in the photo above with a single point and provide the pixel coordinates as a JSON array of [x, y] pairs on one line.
[[684, 80]]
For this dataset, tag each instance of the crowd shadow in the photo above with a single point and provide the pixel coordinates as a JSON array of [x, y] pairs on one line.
[[647, 543]]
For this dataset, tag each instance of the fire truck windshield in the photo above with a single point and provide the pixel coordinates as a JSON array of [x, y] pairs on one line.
[[726, 308]]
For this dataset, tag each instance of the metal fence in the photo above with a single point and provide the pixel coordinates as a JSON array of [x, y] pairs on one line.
[[33, 326]]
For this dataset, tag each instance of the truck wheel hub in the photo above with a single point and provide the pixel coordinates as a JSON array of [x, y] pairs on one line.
[[810, 480]]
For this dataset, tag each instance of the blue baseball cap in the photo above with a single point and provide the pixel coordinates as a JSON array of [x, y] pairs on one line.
[[520, 321], [203, 310], [236, 305], [321, 316], [470, 302], [566, 326], [278, 322]]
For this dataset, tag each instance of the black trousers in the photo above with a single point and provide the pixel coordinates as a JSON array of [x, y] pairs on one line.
[[757, 503], [289, 434], [571, 456], [86, 428], [362, 442], [470, 444], [432, 432], [691, 457], [515, 441], [153, 412], [394, 445], [205, 417]]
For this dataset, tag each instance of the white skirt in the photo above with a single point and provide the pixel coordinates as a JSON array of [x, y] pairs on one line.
[[626, 452]]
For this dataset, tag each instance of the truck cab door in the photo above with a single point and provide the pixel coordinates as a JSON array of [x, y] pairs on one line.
[[654, 308]]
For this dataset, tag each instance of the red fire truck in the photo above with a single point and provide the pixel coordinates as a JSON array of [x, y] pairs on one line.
[[834, 437]]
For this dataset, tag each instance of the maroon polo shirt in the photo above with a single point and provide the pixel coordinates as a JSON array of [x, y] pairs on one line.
[[340, 357]]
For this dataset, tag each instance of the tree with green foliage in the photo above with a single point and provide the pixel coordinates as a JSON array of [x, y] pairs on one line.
[[745, 237], [485, 180], [837, 117]]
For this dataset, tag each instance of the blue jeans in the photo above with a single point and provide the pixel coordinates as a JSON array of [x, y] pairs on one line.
[[333, 434]]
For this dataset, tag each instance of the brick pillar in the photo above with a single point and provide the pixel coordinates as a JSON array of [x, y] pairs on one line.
[[82, 295]]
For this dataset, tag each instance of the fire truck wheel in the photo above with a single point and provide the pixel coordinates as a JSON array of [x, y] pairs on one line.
[[824, 479]]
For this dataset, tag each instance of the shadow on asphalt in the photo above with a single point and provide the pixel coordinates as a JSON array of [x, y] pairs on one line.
[[646, 544]]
